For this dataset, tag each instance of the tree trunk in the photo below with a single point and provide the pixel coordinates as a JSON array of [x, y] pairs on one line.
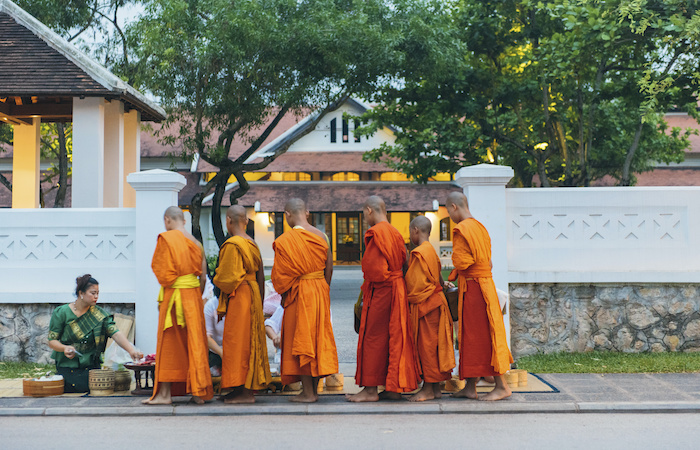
[[626, 178], [196, 212], [542, 172], [60, 200], [216, 224], [5, 182]]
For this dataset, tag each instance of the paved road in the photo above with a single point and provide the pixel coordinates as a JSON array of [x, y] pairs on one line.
[[536, 431], [345, 287]]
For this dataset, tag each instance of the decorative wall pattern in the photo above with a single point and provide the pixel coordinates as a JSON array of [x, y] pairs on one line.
[[71, 246], [622, 226]]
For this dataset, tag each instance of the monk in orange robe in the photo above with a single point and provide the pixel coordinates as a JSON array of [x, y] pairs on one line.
[[483, 349], [430, 314], [240, 277], [386, 352], [182, 356], [302, 275]]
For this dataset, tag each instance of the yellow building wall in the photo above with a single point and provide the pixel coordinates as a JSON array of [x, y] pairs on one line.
[[401, 221]]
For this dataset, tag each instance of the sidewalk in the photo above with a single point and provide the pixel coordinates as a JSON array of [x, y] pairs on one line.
[[578, 393]]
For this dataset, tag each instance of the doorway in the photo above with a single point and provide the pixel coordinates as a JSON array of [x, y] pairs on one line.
[[348, 237]]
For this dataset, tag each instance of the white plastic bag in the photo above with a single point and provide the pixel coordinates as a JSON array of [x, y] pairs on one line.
[[503, 300], [115, 355]]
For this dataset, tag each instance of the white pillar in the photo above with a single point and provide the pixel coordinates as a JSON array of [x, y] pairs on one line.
[[485, 188], [26, 156], [156, 190], [88, 152], [114, 154], [132, 153]]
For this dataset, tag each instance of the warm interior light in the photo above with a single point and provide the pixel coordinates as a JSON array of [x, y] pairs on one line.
[[263, 218]]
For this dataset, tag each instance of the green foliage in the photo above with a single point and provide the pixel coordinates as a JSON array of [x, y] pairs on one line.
[[610, 362], [228, 72], [549, 88], [9, 369]]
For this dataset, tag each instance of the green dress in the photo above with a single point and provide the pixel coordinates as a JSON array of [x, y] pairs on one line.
[[88, 334]]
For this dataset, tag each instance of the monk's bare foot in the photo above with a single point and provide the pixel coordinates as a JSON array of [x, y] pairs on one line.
[[469, 391], [498, 393], [437, 391], [304, 398], [426, 393], [197, 400], [386, 395], [364, 395], [158, 400], [238, 397]]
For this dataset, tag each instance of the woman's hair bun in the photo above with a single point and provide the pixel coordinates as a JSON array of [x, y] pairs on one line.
[[83, 282]]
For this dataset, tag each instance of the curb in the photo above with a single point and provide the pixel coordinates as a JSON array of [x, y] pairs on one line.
[[363, 409]]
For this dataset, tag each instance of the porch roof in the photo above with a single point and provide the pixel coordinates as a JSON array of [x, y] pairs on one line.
[[40, 73], [338, 196]]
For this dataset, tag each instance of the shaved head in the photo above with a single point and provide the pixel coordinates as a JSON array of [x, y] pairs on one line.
[[375, 203], [422, 224], [174, 213], [458, 199], [295, 206], [236, 213]]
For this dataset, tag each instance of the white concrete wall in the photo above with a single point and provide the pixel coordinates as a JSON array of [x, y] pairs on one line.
[[43, 251], [599, 235]]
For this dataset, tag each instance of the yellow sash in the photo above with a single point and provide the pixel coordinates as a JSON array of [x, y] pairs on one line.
[[313, 275], [184, 282]]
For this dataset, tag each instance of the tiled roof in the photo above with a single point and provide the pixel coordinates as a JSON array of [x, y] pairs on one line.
[[36, 62], [345, 196], [684, 121], [330, 161], [28, 66], [660, 177]]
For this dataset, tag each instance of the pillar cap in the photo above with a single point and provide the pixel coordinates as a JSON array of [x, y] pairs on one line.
[[484, 175], [156, 180]]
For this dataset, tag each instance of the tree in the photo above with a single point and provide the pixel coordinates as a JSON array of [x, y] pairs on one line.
[[57, 145], [231, 71], [550, 88]]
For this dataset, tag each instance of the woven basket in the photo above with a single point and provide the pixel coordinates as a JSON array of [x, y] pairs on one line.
[[335, 382], [101, 382], [37, 388], [122, 380]]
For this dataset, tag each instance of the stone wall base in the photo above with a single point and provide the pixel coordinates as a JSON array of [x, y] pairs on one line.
[[24, 329], [555, 317]]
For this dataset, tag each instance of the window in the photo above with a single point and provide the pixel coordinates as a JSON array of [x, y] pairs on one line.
[[279, 224], [346, 131], [445, 229], [334, 130], [345, 176], [392, 176], [357, 136]]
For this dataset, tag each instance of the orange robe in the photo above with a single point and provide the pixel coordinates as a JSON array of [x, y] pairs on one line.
[[430, 315], [245, 351], [182, 355], [483, 350], [386, 352], [308, 345]]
